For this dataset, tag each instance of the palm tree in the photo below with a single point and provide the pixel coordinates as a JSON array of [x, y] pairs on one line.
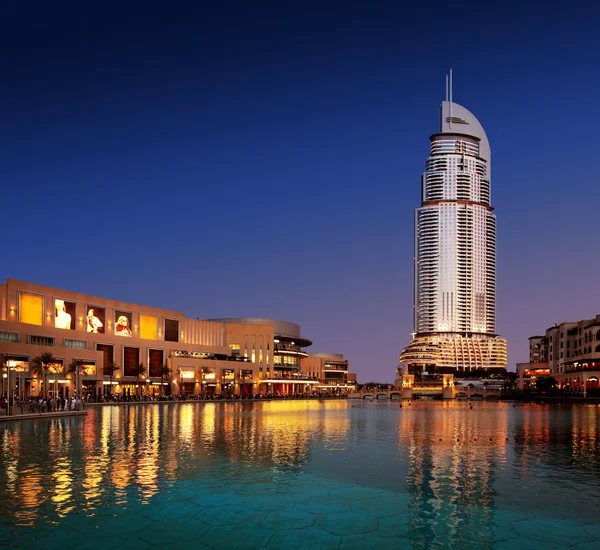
[[41, 365], [110, 369], [139, 369], [165, 372], [204, 371], [76, 366]]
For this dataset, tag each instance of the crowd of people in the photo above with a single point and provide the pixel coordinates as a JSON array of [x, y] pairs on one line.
[[50, 404], [120, 398], [41, 404]]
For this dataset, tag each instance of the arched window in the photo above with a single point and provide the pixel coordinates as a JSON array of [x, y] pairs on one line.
[[598, 348], [598, 335], [585, 337]]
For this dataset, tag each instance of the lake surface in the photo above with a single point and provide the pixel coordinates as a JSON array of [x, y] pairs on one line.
[[304, 474]]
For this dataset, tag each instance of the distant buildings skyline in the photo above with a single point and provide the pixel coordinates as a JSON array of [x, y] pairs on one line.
[[454, 311]]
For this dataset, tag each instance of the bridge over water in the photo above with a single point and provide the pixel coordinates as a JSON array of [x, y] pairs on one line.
[[409, 387]]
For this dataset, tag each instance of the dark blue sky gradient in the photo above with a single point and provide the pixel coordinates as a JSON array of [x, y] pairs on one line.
[[263, 159]]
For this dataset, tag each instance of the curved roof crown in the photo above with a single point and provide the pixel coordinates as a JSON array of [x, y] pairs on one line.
[[463, 121]]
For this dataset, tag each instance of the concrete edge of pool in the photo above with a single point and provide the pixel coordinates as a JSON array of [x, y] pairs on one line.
[[33, 416]]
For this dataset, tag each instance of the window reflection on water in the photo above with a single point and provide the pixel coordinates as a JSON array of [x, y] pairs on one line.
[[455, 463]]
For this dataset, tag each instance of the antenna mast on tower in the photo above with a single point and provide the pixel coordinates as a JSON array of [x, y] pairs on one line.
[[450, 110]]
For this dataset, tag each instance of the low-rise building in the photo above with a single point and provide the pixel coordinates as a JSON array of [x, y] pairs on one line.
[[569, 352], [102, 346], [331, 369], [279, 359]]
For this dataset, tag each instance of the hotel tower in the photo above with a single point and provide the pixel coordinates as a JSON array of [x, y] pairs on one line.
[[455, 252]]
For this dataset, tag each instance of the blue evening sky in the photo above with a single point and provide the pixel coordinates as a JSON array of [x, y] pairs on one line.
[[263, 158]]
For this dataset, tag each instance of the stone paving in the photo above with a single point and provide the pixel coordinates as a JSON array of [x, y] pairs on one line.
[[309, 512], [374, 494]]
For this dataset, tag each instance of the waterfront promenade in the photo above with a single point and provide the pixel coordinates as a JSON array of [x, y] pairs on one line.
[[22, 411], [22, 414]]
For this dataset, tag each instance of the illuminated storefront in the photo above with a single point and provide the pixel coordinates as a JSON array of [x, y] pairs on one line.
[[102, 347], [331, 370], [568, 352]]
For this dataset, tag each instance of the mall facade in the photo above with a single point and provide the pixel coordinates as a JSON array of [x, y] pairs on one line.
[[331, 369], [148, 350]]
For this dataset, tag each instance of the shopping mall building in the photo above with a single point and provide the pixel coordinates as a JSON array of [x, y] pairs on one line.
[[148, 350]]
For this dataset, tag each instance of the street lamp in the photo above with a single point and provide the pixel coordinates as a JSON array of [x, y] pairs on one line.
[[7, 389], [9, 365], [4, 377], [79, 372]]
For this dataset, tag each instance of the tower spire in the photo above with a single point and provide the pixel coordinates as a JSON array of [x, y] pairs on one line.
[[450, 110], [446, 86]]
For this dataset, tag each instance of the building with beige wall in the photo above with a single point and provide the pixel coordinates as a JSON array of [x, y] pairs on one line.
[[331, 369], [177, 354], [279, 358], [569, 352]]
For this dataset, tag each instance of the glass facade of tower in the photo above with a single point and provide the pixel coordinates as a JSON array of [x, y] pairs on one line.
[[455, 252], [456, 240]]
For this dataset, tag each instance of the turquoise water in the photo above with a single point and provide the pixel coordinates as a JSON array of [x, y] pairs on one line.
[[304, 474]]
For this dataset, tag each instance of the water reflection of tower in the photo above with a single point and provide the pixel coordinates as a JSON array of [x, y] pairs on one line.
[[452, 468]]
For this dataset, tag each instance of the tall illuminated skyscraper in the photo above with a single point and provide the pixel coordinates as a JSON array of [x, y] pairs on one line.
[[455, 252]]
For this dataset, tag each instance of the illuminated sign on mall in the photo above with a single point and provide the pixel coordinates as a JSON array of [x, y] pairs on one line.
[[64, 314], [123, 323], [95, 320]]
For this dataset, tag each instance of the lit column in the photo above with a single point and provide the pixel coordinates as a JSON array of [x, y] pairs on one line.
[[5, 377], [8, 366]]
